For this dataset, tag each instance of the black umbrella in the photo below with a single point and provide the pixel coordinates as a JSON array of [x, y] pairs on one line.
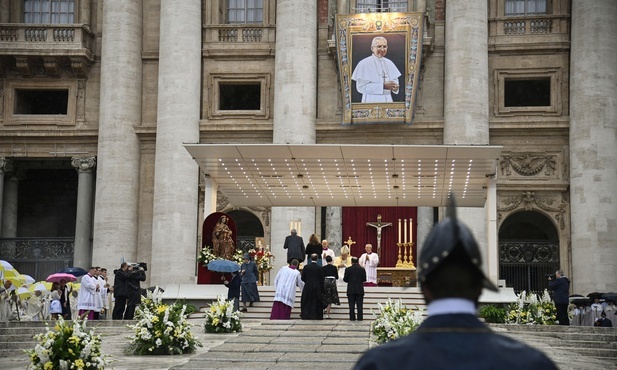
[[75, 271], [594, 295], [610, 296]]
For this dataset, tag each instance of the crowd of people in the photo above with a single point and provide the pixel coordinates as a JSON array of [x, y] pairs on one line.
[[92, 298], [62, 300]]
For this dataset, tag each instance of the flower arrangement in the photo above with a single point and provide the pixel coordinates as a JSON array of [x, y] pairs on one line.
[[532, 310], [394, 320], [263, 259], [221, 317], [161, 328], [206, 255], [68, 345]]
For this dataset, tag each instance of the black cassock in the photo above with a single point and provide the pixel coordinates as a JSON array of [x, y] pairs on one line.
[[455, 341], [311, 306]]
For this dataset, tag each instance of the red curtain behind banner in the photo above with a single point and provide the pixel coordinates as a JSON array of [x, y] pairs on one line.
[[354, 226]]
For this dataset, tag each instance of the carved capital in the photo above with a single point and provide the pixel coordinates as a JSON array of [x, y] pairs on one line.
[[6, 165], [83, 164]]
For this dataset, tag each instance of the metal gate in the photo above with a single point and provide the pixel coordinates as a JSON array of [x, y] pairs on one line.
[[524, 264]]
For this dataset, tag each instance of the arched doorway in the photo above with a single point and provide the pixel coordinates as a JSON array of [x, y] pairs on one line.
[[528, 250], [248, 227]]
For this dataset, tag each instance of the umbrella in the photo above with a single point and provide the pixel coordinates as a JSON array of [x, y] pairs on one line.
[[55, 278], [223, 266], [5, 265], [75, 271], [42, 286], [610, 296], [24, 293], [27, 278]]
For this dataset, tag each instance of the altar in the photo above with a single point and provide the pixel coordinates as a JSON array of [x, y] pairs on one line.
[[397, 276]]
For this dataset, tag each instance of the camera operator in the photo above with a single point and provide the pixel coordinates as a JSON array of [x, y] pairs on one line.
[[560, 285], [137, 274], [121, 291]]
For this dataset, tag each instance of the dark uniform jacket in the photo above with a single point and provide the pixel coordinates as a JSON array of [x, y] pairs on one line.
[[454, 341]]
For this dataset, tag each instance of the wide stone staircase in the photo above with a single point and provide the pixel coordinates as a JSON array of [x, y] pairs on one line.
[[301, 342]]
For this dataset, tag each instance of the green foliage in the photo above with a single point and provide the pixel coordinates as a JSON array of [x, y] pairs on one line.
[[492, 314], [68, 345], [161, 329]]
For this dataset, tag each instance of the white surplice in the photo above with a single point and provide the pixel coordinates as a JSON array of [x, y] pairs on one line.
[[285, 283], [89, 298]]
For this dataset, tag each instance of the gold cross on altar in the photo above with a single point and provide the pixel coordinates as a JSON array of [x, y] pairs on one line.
[[379, 225]]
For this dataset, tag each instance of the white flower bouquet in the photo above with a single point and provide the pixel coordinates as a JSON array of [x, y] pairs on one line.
[[161, 328], [68, 345], [530, 309], [221, 317], [394, 320]]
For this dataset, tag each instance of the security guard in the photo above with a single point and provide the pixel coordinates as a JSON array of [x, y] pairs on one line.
[[452, 337]]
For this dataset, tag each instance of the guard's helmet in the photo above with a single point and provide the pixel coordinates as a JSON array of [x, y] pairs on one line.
[[443, 239]]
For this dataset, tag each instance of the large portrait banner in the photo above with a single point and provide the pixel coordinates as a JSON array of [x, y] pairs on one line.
[[379, 56]]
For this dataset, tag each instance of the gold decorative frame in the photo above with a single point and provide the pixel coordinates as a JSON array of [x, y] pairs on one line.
[[403, 31]]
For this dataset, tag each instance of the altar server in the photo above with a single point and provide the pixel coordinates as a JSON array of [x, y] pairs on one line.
[[369, 261], [89, 297]]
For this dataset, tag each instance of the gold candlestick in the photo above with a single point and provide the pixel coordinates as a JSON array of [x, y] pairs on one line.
[[409, 262], [399, 263]]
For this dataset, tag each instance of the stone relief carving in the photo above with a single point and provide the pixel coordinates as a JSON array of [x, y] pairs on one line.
[[81, 100], [528, 201], [221, 202], [528, 165]]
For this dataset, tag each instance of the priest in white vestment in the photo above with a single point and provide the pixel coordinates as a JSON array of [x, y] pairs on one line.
[[376, 76], [285, 283], [34, 310], [5, 300], [89, 298], [369, 261]]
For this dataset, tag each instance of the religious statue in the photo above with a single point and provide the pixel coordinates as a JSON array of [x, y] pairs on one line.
[[222, 243]]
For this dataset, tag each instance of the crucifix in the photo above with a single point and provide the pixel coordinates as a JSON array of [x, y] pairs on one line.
[[379, 225]]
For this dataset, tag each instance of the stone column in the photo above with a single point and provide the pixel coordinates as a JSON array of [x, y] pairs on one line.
[[4, 163], [176, 179], [295, 99], [425, 224], [5, 11], [593, 145], [334, 227], [466, 91], [117, 185], [82, 252], [84, 12], [9, 206]]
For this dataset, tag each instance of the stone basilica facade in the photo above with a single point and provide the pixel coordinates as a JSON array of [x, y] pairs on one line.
[[97, 99]]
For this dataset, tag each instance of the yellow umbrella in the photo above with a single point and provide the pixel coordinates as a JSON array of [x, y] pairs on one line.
[[43, 286], [4, 265], [24, 293], [14, 276], [27, 278], [74, 286]]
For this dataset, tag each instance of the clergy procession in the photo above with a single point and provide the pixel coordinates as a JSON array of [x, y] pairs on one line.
[[69, 294]]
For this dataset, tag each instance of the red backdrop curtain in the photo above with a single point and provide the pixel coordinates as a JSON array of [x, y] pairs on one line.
[[354, 226]]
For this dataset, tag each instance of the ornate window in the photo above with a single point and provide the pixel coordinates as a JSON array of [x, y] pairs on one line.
[[245, 11], [239, 95], [528, 92], [49, 11], [525, 7], [378, 6]]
